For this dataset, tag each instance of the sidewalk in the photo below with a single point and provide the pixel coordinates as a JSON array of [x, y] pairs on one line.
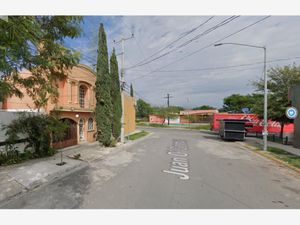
[[259, 143], [19, 178]]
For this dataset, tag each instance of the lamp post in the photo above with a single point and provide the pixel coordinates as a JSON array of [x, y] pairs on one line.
[[265, 131]]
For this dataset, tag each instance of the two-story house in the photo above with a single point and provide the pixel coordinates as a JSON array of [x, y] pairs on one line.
[[76, 105]]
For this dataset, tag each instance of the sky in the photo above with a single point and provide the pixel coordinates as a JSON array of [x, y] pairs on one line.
[[176, 54]]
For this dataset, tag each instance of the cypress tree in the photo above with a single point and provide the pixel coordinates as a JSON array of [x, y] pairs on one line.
[[131, 90], [103, 99], [115, 96]]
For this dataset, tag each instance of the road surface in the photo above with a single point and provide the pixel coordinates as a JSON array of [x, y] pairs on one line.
[[173, 168]]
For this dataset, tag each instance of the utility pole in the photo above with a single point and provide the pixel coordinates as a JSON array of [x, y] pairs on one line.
[[122, 41], [265, 131], [168, 104], [188, 100]]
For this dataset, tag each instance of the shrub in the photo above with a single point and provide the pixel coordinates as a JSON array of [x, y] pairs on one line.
[[9, 156], [38, 130]]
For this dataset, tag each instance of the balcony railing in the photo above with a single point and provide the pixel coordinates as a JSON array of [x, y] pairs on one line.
[[76, 106]]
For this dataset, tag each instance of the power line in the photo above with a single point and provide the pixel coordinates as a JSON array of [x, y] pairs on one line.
[[201, 49], [84, 56], [223, 23], [173, 42], [139, 46], [136, 93], [224, 67]]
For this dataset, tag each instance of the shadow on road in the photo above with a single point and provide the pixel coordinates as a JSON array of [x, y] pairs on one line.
[[209, 132]]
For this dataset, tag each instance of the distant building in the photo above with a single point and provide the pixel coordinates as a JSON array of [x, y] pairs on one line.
[[76, 104], [197, 116], [158, 119]]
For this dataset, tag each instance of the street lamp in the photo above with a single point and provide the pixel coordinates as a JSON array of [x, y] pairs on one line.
[[265, 131]]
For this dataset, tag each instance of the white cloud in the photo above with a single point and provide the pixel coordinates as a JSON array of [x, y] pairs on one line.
[[279, 34]]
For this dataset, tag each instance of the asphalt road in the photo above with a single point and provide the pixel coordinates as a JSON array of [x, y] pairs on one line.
[[173, 168]]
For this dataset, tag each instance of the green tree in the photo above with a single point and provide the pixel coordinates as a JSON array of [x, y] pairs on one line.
[[131, 90], [35, 43], [204, 107], [279, 82], [236, 102], [37, 129], [175, 108], [167, 112], [103, 97], [143, 109], [115, 96]]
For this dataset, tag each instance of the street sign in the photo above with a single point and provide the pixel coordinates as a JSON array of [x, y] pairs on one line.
[[291, 112]]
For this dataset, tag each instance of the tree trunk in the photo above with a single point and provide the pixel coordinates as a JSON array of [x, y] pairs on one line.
[[281, 129]]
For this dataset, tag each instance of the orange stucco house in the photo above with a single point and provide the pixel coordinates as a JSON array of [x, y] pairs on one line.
[[76, 104]]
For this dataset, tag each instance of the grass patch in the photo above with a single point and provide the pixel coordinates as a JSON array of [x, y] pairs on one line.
[[151, 124], [201, 127], [157, 125], [188, 126], [285, 156], [138, 135]]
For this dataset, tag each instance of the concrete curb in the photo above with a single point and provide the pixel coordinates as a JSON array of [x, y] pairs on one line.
[[175, 128], [23, 189], [59, 175], [20, 187], [130, 143], [270, 156]]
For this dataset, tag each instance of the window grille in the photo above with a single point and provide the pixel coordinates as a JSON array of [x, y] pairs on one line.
[[90, 124]]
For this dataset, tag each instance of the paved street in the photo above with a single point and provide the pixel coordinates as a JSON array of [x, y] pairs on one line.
[[173, 168]]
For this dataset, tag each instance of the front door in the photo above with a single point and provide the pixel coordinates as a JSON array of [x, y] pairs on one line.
[[81, 129]]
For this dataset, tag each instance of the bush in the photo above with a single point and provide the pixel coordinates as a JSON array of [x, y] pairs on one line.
[[9, 156], [38, 130]]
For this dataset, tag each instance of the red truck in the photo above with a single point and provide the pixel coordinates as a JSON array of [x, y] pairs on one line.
[[255, 125]]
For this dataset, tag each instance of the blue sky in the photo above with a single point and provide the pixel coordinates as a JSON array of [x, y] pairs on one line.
[[200, 78]]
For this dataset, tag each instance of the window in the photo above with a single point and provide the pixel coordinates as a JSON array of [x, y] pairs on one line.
[[90, 124], [81, 96]]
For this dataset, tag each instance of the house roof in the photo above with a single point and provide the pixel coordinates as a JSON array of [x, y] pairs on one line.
[[87, 68], [198, 112]]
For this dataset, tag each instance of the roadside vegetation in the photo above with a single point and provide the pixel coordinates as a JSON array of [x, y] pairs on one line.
[[201, 127], [186, 126], [285, 156], [138, 135], [36, 131], [108, 94], [36, 44]]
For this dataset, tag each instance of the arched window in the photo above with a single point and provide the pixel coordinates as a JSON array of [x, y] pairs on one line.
[[90, 124], [82, 92]]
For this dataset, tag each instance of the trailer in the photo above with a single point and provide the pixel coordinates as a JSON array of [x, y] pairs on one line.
[[253, 125], [232, 129]]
